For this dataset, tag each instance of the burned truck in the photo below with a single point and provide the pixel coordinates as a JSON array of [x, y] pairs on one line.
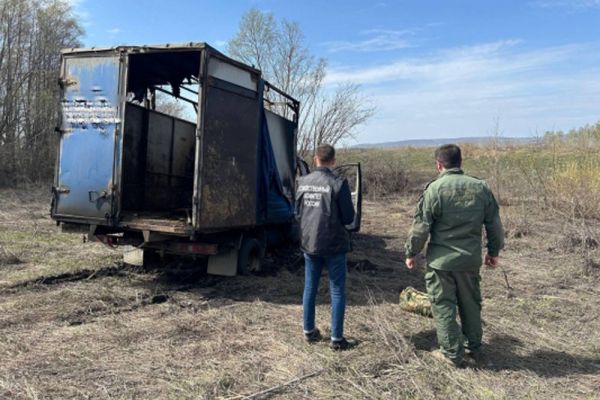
[[214, 180]]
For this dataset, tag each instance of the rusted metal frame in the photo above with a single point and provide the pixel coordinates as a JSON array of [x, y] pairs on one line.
[[270, 86], [189, 248], [109, 240], [232, 88], [117, 181], [194, 104], [141, 227], [295, 105], [188, 89], [60, 132], [171, 149], [78, 219], [170, 227], [143, 149], [296, 119], [200, 128], [138, 49], [200, 46], [171, 94], [292, 102], [260, 151], [113, 238]]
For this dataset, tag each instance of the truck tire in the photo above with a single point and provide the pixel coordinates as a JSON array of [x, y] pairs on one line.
[[250, 257], [293, 233]]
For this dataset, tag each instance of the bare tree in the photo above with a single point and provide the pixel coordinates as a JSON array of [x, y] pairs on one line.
[[171, 106], [277, 48], [32, 33]]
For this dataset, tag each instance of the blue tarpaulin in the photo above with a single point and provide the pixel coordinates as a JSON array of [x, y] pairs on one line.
[[273, 205]]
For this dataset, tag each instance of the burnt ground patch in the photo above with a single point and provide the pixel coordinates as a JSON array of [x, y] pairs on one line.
[[85, 274]]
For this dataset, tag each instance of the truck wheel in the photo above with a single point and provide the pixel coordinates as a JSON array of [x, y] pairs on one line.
[[250, 257], [293, 233]]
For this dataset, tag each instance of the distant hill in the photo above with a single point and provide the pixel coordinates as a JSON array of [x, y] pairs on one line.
[[439, 142]]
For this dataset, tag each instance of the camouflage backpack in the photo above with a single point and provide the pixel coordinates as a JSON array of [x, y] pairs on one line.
[[414, 301]]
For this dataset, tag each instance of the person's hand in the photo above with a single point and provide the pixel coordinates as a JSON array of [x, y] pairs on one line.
[[410, 263], [491, 261]]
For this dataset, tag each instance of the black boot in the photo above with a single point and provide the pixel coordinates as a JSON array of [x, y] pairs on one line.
[[313, 336], [342, 344]]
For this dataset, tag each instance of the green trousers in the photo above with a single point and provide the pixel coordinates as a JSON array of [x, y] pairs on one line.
[[449, 290]]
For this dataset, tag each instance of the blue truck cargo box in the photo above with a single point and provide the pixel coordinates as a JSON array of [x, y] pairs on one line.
[[124, 164]]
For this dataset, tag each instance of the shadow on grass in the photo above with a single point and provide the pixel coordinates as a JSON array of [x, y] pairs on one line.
[[501, 355], [545, 363], [424, 340], [375, 273]]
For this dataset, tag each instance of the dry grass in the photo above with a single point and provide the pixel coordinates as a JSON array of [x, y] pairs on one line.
[[75, 323]]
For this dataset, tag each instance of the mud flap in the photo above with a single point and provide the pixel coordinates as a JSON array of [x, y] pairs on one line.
[[223, 264], [133, 256]]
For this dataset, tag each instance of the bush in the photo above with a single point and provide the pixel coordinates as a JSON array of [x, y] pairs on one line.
[[385, 172], [384, 178], [575, 189]]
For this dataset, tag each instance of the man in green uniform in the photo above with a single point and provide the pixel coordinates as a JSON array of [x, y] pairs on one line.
[[452, 211]]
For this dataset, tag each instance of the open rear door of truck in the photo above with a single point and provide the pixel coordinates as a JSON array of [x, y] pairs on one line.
[[89, 150], [352, 173]]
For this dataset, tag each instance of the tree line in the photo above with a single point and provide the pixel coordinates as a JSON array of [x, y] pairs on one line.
[[32, 33], [585, 136]]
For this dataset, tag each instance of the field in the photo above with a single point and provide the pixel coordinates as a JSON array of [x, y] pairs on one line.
[[77, 323]]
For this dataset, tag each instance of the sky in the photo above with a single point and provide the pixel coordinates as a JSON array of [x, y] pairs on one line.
[[431, 69]]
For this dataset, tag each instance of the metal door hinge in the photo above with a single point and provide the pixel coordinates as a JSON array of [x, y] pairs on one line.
[[62, 131], [66, 82], [62, 190], [95, 196]]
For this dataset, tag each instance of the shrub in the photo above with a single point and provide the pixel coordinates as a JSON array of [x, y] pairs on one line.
[[385, 172], [575, 189]]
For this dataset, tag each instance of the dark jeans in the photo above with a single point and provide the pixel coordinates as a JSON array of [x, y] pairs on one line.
[[336, 265]]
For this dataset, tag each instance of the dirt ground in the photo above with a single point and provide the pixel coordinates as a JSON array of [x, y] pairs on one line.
[[76, 323]]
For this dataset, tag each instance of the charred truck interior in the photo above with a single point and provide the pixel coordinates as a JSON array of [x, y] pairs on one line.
[[176, 149]]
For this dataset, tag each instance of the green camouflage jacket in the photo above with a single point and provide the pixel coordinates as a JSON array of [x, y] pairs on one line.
[[453, 209]]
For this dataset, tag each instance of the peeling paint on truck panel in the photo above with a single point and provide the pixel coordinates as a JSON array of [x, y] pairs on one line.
[[87, 146]]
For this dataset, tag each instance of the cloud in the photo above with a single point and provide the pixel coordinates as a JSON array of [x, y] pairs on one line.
[[461, 91], [455, 64], [374, 40], [113, 31]]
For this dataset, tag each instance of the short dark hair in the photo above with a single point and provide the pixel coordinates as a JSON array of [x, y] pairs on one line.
[[325, 153], [449, 155]]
